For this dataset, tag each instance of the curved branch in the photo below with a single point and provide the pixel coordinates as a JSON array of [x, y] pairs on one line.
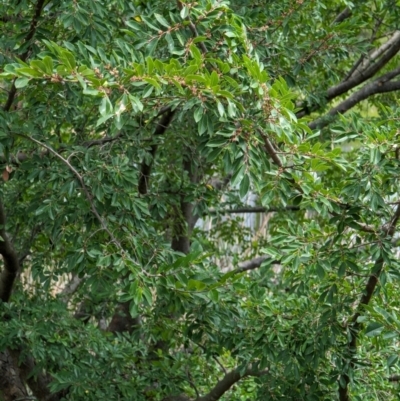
[[391, 44], [362, 72], [24, 56], [346, 13], [88, 195], [11, 262], [37, 380], [102, 141], [10, 381], [270, 150], [227, 382], [380, 85], [252, 264], [354, 325], [193, 28]]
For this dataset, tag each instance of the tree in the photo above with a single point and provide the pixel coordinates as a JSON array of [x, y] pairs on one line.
[[134, 138]]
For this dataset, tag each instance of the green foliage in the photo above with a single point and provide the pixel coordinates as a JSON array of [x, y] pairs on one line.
[[243, 82]]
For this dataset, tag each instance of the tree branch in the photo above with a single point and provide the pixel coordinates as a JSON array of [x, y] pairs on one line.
[[184, 219], [380, 85], [252, 264], [361, 74], [102, 141], [391, 44], [11, 385], [83, 186], [122, 321], [193, 28], [145, 169], [255, 209], [70, 288], [38, 382], [24, 56], [10, 257], [270, 150], [227, 382], [354, 325], [346, 13]]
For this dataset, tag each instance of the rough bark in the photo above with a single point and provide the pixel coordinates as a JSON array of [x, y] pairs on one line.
[[145, 170], [10, 269], [227, 382], [185, 220], [354, 325], [37, 383], [11, 385], [361, 72], [123, 321], [381, 85]]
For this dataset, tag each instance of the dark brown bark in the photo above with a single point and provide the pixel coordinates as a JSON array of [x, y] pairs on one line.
[[227, 382], [24, 56], [11, 385], [12, 374], [252, 264], [145, 170], [346, 13], [123, 321], [364, 70], [184, 219], [381, 85], [355, 326], [38, 383], [10, 269]]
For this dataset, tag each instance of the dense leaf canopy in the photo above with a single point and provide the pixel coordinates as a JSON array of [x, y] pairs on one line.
[[199, 200]]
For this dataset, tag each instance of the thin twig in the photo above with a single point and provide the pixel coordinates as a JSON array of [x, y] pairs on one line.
[[193, 28], [82, 183], [270, 149], [255, 209], [354, 325]]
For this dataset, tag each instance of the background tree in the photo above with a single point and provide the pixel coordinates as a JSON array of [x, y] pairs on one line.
[[134, 138]]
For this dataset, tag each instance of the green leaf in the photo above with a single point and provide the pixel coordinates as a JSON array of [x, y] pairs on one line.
[[374, 329], [184, 12], [238, 175], [153, 82], [195, 285], [221, 109], [161, 20], [392, 360], [103, 119], [29, 72], [195, 52], [68, 60], [147, 296], [136, 103], [198, 114], [244, 186], [21, 82], [214, 79], [48, 63], [274, 253], [39, 65], [105, 107]]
